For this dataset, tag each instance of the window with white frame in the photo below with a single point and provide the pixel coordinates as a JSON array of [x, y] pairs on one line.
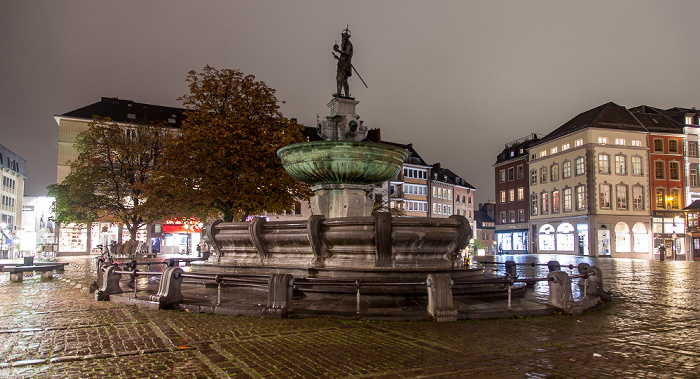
[[566, 169], [672, 146], [555, 201], [580, 167], [620, 165], [521, 215], [503, 197], [638, 198], [578, 142], [533, 204], [415, 189], [543, 174], [619, 141], [554, 172], [692, 149], [603, 163], [565, 147], [416, 206], [543, 153], [503, 217], [511, 195], [602, 140], [604, 200], [637, 166], [674, 201], [659, 170], [512, 216], [415, 173], [580, 197], [533, 177], [693, 177], [545, 202], [621, 196], [554, 150], [674, 170], [521, 172], [511, 173], [636, 142], [567, 199], [521, 193], [658, 145], [660, 194]]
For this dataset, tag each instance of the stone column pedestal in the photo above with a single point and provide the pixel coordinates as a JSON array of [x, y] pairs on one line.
[[342, 200]]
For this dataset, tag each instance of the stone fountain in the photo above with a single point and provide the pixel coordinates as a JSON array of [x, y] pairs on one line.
[[343, 238]]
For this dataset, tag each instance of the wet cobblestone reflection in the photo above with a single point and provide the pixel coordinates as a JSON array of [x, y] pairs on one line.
[[55, 329]]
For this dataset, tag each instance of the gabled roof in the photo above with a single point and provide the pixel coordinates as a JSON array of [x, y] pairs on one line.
[[480, 216], [128, 111], [655, 121], [512, 150], [413, 156], [695, 205], [606, 116], [456, 179]]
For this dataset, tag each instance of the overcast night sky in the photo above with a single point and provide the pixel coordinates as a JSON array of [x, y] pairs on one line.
[[458, 79]]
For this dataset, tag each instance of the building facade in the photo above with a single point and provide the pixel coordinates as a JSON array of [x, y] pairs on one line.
[[14, 173], [589, 187], [77, 239], [511, 209]]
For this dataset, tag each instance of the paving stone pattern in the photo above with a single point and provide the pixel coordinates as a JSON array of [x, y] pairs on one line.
[[53, 328]]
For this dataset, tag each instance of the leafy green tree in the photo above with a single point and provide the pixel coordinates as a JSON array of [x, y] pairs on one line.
[[224, 163], [109, 179]]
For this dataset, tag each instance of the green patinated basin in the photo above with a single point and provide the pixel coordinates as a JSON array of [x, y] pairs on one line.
[[337, 162]]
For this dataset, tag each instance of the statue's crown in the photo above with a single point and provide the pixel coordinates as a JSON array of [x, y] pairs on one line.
[[346, 32]]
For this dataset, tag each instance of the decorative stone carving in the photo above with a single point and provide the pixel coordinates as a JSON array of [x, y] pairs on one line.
[[169, 290], [440, 304], [560, 295]]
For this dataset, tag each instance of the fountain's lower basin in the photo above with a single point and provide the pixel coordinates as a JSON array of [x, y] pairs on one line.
[[378, 248]]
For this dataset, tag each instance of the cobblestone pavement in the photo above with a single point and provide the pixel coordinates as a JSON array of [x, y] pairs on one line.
[[53, 328]]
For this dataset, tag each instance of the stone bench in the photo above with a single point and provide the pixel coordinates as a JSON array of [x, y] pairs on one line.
[[46, 269]]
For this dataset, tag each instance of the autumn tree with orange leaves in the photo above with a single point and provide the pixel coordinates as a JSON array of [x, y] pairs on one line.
[[224, 164]]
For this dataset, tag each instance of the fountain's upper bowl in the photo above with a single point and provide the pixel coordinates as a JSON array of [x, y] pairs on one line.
[[342, 162]]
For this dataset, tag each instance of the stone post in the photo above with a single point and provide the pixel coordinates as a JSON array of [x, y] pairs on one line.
[[281, 287], [511, 268], [169, 290], [595, 284], [560, 295], [109, 284], [440, 305]]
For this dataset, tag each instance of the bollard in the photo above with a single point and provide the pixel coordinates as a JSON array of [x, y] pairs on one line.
[[218, 279], [511, 268], [440, 304], [357, 287], [553, 266], [110, 283], [595, 286], [560, 295], [169, 289], [281, 287]]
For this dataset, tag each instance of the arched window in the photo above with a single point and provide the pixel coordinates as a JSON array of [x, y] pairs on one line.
[[641, 240], [622, 238], [547, 238], [565, 237]]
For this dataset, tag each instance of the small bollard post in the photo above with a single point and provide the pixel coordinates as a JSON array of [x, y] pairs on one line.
[[280, 290], [357, 286], [169, 289], [133, 279], [511, 268], [510, 280], [553, 266], [219, 279], [560, 295], [440, 302]]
